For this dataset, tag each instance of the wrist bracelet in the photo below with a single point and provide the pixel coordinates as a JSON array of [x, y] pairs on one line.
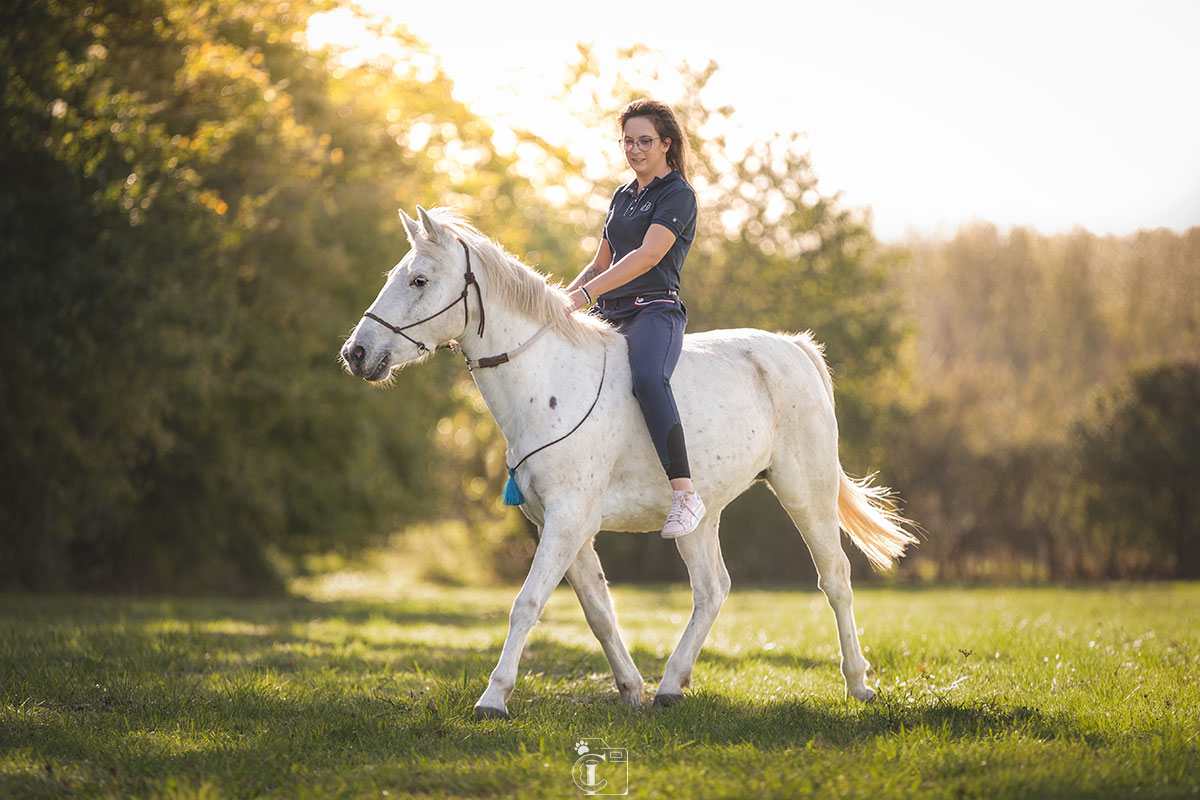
[[586, 296]]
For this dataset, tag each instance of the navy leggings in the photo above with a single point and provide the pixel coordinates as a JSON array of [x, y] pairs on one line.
[[653, 327]]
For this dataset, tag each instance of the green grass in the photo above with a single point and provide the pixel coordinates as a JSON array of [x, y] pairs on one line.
[[982, 693]]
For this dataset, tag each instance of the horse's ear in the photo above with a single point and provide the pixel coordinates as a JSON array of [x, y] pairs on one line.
[[433, 230], [410, 225]]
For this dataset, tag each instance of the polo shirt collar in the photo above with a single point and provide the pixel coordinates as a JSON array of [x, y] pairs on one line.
[[673, 175]]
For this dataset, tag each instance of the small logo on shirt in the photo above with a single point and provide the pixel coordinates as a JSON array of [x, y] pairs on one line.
[[645, 207]]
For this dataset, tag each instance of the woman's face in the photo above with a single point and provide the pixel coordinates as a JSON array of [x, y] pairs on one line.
[[651, 162]]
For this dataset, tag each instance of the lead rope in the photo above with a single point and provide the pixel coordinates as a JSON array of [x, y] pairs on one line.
[[512, 492], [495, 361]]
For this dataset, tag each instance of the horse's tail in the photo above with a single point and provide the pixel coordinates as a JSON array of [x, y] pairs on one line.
[[865, 512]]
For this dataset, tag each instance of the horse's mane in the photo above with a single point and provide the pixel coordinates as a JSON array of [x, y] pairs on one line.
[[520, 286]]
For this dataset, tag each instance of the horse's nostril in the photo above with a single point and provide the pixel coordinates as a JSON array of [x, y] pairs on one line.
[[358, 353]]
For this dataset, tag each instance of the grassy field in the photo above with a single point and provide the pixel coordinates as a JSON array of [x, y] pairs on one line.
[[987, 693]]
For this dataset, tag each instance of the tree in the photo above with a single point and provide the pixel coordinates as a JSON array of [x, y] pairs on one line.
[[195, 209], [1139, 466]]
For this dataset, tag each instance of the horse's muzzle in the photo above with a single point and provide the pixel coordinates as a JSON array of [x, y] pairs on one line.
[[357, 362], [352, 357]]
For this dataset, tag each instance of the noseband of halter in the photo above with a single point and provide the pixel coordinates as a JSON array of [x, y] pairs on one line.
[[470, 279]]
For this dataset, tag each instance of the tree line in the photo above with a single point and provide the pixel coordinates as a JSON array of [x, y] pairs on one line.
[[196, 207], [1059, 404]]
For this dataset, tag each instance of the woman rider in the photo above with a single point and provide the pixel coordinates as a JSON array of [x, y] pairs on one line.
[[634, 280]]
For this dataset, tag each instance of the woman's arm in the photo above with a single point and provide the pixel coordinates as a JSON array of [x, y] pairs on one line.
[[657, 242], [600, 262]]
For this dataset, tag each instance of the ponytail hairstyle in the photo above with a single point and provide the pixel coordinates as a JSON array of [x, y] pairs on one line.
[[666, 126]]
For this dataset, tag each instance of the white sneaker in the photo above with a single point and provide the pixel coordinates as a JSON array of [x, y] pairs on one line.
[[687, 509]]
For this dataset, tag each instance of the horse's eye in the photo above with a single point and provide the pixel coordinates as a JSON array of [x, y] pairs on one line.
[[418, 281]]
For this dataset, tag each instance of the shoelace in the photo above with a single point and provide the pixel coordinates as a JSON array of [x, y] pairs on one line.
[[677, 510]]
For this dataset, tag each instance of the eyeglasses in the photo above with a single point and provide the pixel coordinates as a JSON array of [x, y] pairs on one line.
[[642, 144]]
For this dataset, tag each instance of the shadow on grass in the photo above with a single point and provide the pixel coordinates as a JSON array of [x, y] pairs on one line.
[[786, 723], [99, 695], [275, 674], [247, 739]]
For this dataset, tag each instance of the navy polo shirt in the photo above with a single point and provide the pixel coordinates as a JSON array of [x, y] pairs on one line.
[[669, 202]]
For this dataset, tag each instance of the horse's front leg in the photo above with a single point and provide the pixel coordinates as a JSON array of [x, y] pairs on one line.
[[559, 544], [586, 577]]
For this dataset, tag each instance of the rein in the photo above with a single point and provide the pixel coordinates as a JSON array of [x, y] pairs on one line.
[[512, 492]]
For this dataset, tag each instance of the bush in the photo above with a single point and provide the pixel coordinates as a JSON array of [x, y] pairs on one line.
[[1139, 469]]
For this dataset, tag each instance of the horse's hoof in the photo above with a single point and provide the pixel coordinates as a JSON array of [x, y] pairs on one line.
[[634, 698], [865, 694], [483, 712], [667, 700]]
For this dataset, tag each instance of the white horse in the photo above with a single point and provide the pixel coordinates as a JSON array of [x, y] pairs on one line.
[[755, 405]]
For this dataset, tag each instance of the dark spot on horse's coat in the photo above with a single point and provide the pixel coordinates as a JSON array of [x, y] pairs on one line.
[[531, 401], [553, 401]]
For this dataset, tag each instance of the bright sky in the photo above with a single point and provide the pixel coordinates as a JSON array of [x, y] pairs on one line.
[[930, 112]]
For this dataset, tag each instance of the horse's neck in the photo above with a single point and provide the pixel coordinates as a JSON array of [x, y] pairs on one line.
[[519, 392]]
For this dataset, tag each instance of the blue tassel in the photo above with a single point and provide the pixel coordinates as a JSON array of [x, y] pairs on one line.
[[512, 492]]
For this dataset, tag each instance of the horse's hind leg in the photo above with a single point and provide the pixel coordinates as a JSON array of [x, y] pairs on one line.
[[812, 505], [701, 551], [586, 577]]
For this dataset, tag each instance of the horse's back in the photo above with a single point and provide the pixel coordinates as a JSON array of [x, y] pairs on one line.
[[775, 373]]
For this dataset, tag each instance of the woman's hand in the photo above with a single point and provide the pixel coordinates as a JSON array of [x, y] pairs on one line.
[[575, 300]]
